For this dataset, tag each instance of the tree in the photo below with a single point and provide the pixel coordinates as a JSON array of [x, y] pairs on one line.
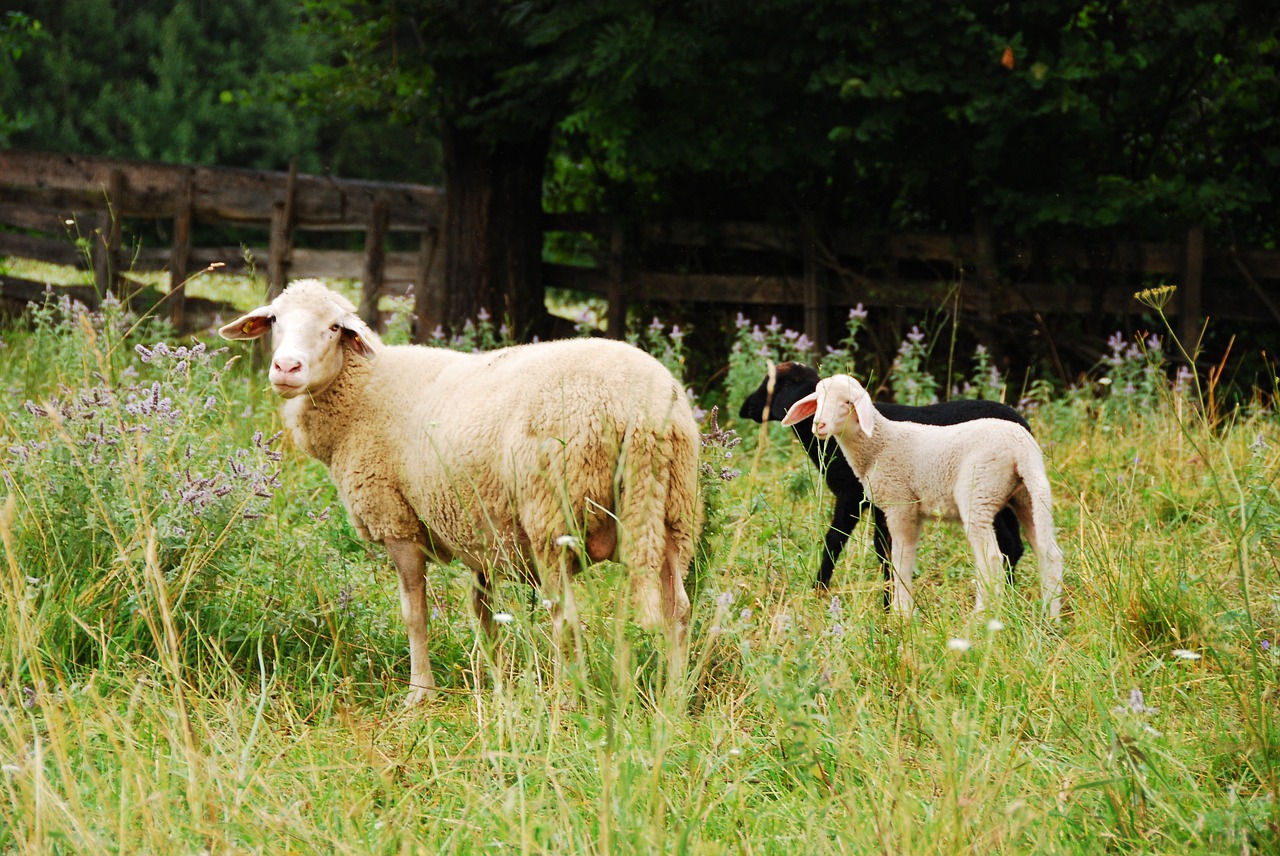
[[930, 114], [477, 71], [1108, 119]]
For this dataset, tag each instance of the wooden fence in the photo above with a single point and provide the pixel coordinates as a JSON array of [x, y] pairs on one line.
[[58, 196], [922, 271], [52, 195]]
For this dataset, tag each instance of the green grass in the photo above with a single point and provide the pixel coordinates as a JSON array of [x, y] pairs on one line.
[[174, 681]]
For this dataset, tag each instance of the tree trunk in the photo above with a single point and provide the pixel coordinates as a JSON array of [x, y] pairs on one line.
[[493, 230]]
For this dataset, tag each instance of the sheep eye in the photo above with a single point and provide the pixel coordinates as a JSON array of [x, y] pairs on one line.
[[333, 328]]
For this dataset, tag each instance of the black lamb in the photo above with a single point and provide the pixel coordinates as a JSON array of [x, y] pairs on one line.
[[795, 381]]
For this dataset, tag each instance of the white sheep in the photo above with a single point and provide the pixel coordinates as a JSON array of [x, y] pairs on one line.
[[965, 472], [492, 458]]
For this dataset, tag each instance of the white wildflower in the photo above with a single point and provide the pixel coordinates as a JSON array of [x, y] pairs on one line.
[[958, 644]]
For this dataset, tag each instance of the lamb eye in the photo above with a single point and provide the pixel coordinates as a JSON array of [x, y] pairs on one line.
[[333, 328]]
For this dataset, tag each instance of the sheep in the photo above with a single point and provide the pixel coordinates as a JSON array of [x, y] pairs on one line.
[[793, 381], [507, 460], [964, 472]]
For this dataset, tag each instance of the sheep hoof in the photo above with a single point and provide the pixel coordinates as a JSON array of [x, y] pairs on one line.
[[417, 695]]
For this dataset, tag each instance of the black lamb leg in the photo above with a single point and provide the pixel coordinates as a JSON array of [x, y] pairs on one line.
[[843, 519], [1009, 538]]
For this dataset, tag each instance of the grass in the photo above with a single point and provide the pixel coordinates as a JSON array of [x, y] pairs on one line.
[[198, 655]]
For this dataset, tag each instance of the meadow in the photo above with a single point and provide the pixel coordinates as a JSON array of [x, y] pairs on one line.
[[197, 654]]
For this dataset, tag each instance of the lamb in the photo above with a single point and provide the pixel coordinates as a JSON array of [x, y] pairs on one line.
[[507, 460], [964, 472], [792, 382]]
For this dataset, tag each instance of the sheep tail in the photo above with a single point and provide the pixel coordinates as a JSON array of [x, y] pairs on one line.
[[641, 510], [1031, 471]]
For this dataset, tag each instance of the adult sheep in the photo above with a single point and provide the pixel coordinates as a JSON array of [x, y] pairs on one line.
[[965, 472], [492, 458], [789, 383]]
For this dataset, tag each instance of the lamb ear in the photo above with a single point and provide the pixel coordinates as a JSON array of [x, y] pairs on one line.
[[802, 409], [250, 326], [866, 410]]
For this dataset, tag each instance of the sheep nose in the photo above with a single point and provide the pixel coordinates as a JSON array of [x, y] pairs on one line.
[[286, 365], [820, 427]]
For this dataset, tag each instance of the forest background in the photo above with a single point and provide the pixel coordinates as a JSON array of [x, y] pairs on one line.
[[1097, 122]]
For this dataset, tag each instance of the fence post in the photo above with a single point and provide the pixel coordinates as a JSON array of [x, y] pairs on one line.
[[375, 261], [815, 297], [280, 249], [619, 278], [106, 250], [984, 272], [428, 296], [180, 253], [1190, 309]]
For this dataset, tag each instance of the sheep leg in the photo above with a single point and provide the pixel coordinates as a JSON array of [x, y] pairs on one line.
[[843, 519], [482, 604], [986, 553], [884, 550], [1037, 519], [410, 559], [675, 598], [905, 526], [566, 638]]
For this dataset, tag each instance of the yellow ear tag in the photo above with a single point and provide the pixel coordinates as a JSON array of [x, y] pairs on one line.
[[246, 327]]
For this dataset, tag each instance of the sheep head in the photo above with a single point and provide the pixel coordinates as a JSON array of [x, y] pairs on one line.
[[312, 328], [830, 405]]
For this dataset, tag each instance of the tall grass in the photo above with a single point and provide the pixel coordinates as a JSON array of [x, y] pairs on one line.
[[197, 655]]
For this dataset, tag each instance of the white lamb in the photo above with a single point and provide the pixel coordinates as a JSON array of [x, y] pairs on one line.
[[964, 472], [492, 458]]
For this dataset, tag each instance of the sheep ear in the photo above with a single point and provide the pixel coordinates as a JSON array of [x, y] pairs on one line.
[[802, 409], [249, 326], [357, 336], [866, 411]]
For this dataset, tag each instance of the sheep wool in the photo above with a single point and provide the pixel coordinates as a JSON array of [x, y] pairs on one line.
[[492, 458]]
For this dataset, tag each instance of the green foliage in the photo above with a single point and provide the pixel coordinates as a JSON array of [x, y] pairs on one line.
[[18, 34], [482, 334], [148, 80], [911, 381], [666, 346], [185, 82], [121, 446], [753, 346]]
